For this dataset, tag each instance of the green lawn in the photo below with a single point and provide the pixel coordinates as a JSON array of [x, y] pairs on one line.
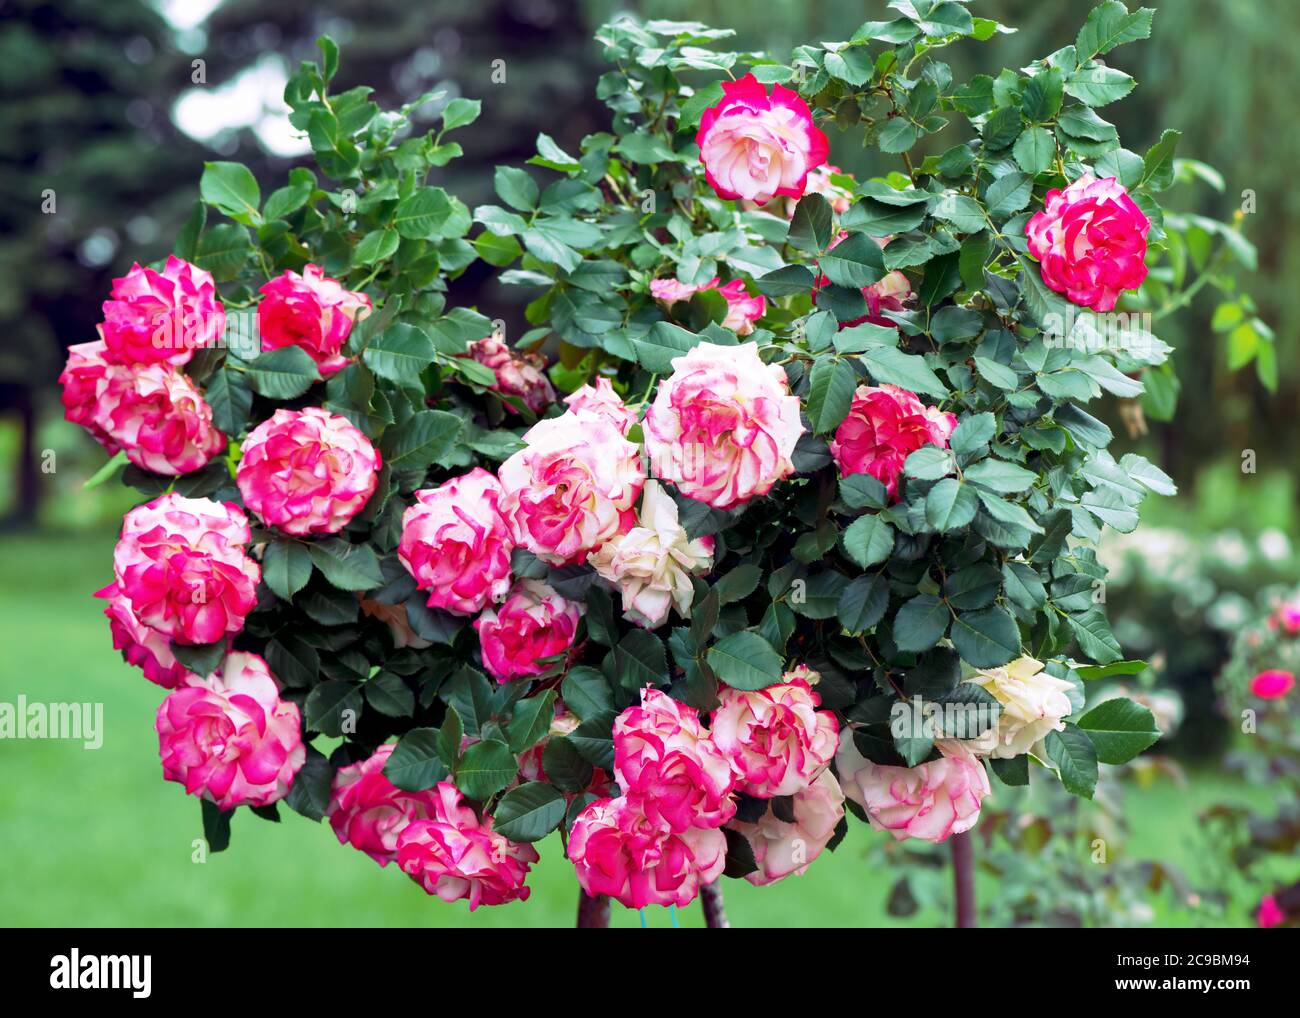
[[97, 838]]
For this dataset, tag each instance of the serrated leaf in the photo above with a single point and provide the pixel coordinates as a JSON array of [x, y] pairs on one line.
[[745, 661]]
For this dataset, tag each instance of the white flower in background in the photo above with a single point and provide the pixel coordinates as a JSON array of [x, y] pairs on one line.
[[651, 564], [1033, 704], [1274, 545]]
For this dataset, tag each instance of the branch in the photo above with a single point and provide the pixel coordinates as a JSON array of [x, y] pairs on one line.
[[715, 912], [963, 881]]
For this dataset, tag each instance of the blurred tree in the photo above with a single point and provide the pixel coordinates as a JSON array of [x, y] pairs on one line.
[[89, 162]]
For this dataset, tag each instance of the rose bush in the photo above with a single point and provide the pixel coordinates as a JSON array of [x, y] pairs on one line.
[[807, 482]]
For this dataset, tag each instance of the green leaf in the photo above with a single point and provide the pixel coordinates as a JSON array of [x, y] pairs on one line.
[[287, 200], [785, 281], [862, 491], [390, 695], [1000, 476], [485, 768], [1008, 194], [928, 463], [415, 763], [202, 659], [424, 438], [854, 262], [329, 705], [830, 393], [1013, 772], [529, 813], [223, 250], [640, 660], [286, 567], [400, 353], [231, 399], [859, 338], [586, 692], [863, 603], [1109, 25], [692, 109], [1094, 635], [1158, 163], [1133, 667], [868, 541], [986, 638], [973, 433], [664, 342], [232, 188], [810, 227], [1098, 85], [920, 623], [563, 764], [1034, 150], [888, 364], [531, 721], [950, 505], [1042, 95], [738, 584], [898, 135], [1075, 758], [745, 661], [516, 188], [309, 795], [460, 112], [347, 566], [430, 213], [216, 825], [285, 373], [375, 246]]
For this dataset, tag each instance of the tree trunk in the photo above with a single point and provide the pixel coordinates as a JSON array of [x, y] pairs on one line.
[[593, 912], [963, 880], [715, 912]]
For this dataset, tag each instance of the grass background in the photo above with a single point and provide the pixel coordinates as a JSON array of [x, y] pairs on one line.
[[97, 838]]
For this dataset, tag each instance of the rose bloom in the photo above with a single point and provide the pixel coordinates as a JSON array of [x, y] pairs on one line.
[[1272, 684], [154, 316], [723, 426], [1033, 704], [755, 146], [651, 565], [1270, 913], [776, 738], [603, 401], [664, 758], [229, 738], [310, 311], [307, 471], [1287, 617], [455, 855], [782, 848], [572, 487], [885, 425], [742, 309], [141, 646], [616, 850], [532, 624], [368, 811], [181, 566], [891, 293], [819, 182], [84, 380], [931, 801], [456, 543], [518, 375], [1090, 241], [157, 415]]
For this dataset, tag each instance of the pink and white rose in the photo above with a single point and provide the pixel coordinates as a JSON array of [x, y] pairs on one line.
[[533, 625], [884, 426], [601, 400], [140, 645], [456, 543], [618, 851], [742, 309], [310, 311], [162, 317], [182, 568], [229, 738], [1090, 241], [651, 565], [723, 426], [665, 759], [368, 812], [455, 855], [518, 375], [782, 848], [307, 471], [572, 487], [84, 381], [776, 738], [931, 801], [755, 146]]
